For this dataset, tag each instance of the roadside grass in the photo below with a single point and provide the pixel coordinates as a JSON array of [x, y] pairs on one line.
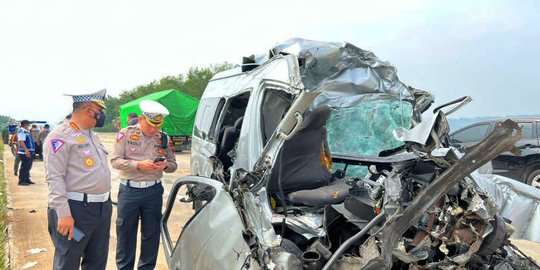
[[3, 212]]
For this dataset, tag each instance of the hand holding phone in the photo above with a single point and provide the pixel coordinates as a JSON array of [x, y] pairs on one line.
[[159, 159], [77, 234]]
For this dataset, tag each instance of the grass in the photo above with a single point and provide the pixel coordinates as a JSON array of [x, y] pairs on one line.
[[3, 212]]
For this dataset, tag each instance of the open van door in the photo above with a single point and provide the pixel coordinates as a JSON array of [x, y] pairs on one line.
[[212, 236]]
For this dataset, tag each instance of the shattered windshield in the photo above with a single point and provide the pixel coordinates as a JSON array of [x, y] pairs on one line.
[[367, 128]]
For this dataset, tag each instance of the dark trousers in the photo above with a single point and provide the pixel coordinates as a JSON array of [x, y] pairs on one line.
[[16, 164], [94, 220], [39, 151], [26, 165], [135, 203]]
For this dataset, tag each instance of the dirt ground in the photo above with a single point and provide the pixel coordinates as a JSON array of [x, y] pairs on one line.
[[28, 215]]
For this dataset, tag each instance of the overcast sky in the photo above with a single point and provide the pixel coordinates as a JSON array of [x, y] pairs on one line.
[[488, 50]]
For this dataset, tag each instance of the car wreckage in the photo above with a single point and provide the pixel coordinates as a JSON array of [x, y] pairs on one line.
[[316, 156]]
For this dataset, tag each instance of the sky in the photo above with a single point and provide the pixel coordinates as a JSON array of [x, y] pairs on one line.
[[488, 50]]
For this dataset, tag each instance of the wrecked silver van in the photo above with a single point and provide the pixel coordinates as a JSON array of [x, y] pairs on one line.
[[316, 156]]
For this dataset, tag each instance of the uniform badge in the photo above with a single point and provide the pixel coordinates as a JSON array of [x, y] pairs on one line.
[[80, 139], [89, 162], [134, 137], [120, 136], [56, 144], [74, 126], [161, 151]]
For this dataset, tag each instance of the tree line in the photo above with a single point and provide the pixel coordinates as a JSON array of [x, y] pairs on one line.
[[192, 83]]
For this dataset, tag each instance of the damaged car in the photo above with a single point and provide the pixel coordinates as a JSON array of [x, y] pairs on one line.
[[316, 156]]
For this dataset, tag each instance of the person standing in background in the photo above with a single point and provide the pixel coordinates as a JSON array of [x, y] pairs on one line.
[[26, 151], [34, 132], [14, 143], [40, 139], [133, 119]]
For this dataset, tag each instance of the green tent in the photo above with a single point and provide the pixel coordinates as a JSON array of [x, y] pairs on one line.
[[182, 109]]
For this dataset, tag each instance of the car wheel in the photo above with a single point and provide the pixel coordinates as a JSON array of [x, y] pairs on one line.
[[533, 178]]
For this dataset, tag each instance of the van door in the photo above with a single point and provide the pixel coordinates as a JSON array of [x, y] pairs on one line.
[[212, 237]]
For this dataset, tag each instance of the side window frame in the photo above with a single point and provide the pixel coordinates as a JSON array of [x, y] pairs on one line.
[[532, 132], [537, 124], [267, 87], [220, 119], [488, 129], [207, 108], [219, 109]]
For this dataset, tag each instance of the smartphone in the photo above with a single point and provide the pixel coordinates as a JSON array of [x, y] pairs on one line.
[[77, 234], [159, 159]]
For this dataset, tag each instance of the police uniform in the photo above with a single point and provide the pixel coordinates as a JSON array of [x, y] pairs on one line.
[[140, 193], [79, 184], [24, 137]]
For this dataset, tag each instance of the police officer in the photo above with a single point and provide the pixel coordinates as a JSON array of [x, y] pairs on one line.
[[79, 184], [141, 153]]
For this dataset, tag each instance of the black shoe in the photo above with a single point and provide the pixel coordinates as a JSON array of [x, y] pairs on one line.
[[16, 174], [30, 182], [24, 184]]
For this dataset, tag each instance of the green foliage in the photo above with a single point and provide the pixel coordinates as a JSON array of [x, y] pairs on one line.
[[4, 120], [3, 213], [192, 83]]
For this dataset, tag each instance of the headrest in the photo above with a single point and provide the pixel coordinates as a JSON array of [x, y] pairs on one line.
[[317, 118], [238, 123]]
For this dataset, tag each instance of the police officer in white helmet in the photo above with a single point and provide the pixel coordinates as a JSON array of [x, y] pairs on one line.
[[141, 153]]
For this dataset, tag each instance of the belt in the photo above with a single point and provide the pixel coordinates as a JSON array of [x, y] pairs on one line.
[[78, 196], [140, 184]]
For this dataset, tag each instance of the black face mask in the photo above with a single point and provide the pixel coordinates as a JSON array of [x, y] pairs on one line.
[[100, 119]]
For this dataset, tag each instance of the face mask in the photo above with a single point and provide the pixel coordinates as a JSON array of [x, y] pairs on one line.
[[100, 119]]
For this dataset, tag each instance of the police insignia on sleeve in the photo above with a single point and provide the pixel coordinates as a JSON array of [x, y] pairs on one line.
[[89, 162], [120, 136], [56, 144]]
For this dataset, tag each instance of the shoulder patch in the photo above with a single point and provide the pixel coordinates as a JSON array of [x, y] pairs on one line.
[[56, 144], [120, 136], [74, 126]]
